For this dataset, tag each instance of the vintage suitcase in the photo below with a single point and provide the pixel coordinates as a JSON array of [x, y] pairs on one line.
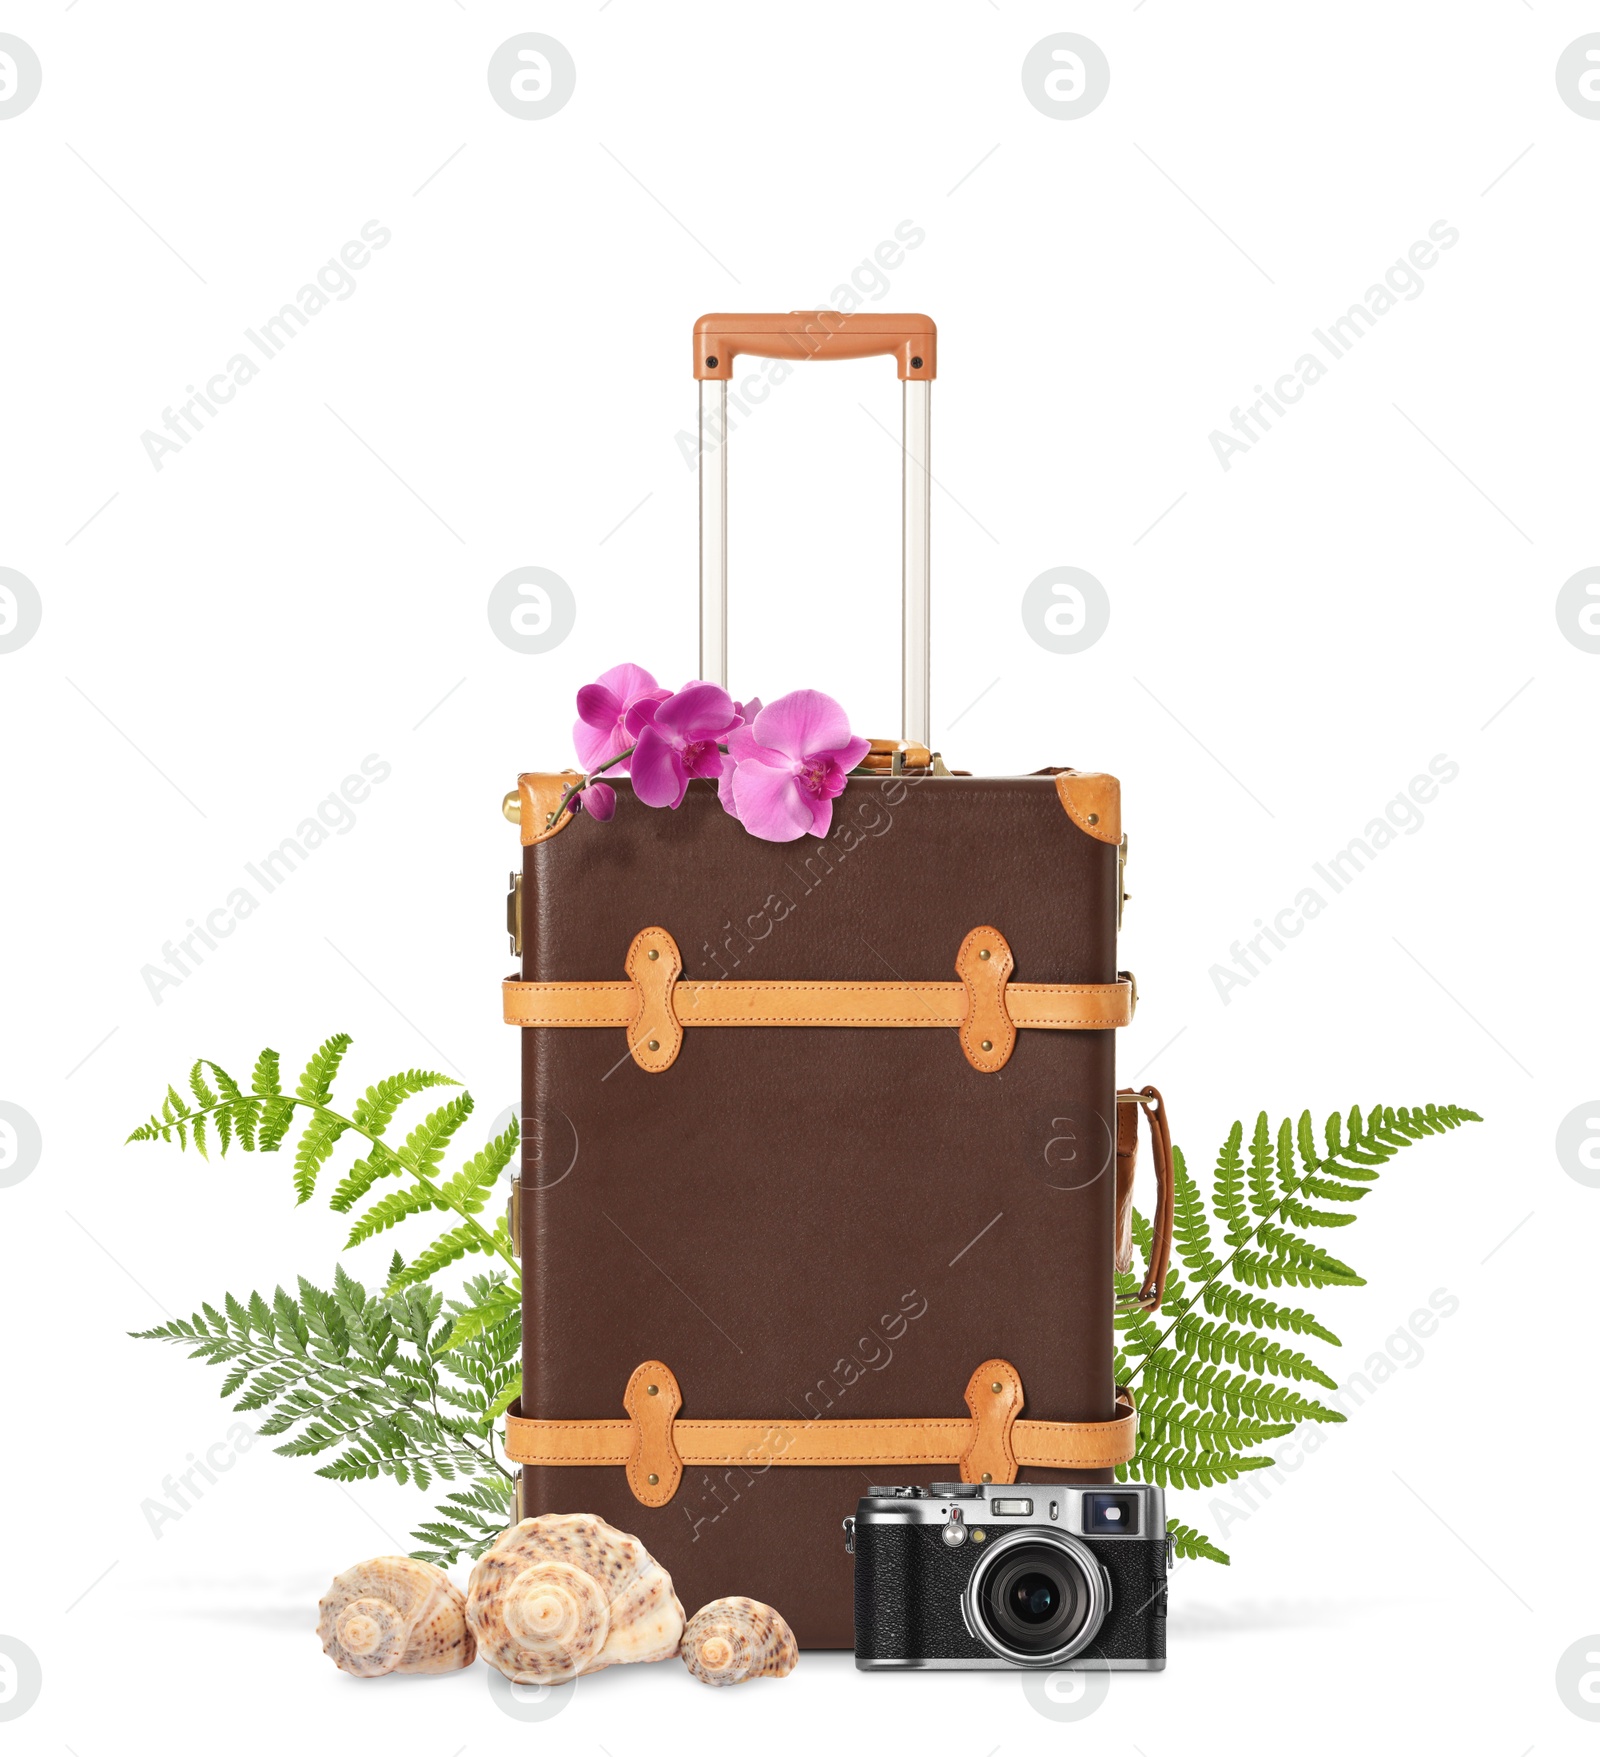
[[823, 1167]]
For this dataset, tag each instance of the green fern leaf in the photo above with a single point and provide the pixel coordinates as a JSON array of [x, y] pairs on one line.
[[1247, 1308], [1222, 1342], [1227, 1194], [390, 1211], [1193, 1470], [1299, 1213], [1287, 1248], [360, 1178], [499, 1302], [425, 1145], [376, 1107], [1191, 1229], [316, 1083], [315, 1150], [449, 1247], [1192, 1546], [472, 1186], [1263, 1193]]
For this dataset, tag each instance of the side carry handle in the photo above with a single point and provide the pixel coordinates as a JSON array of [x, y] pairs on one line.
[[1129, 1104]]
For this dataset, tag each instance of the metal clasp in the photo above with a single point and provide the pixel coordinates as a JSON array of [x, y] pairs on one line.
[[514, 913]]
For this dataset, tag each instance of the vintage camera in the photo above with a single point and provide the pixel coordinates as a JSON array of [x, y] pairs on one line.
[[966, 1576]]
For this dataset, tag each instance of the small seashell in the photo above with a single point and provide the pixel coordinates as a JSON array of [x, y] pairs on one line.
[[395, 1614], [733, 1639], [567, 1593]]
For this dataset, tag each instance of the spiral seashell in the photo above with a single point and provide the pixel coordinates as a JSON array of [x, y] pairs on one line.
[[733, 1639], [567, 1593], [395, 1614]]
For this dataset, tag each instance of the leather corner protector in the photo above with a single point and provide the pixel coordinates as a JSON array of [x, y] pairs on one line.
[[994, 1395], [1093, 802], [984, 965], [653, 1400], [539, 796], [654, 964]]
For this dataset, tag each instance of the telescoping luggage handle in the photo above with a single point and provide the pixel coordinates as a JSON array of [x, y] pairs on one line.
[[719, 338]]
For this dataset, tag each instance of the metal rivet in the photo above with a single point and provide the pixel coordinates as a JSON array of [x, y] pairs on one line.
[[652, 954], [655, 1390], [653, 1044], [652, 1479], [916, 362], [984, 952], [711, 361], [997, 1387], [987, 1045], [1094, 817], [987, 1477]]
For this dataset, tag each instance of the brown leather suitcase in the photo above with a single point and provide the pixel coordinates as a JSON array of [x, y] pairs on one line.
[[820, 1177]]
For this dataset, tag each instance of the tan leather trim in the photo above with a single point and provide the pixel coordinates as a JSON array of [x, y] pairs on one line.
[[1034, 1006], [538, 796], [1093, 802], [653, 1400], [1079, 1445], [991, 1439], [994, 1395], [654, 965], [984, 965], [1069, 1006]]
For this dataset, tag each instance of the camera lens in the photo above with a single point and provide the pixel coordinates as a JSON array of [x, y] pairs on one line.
[[1035, 1600]]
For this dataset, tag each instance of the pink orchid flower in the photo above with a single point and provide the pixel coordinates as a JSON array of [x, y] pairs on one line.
[[676, 739], [598, 800], [785, 769], [601, 733]]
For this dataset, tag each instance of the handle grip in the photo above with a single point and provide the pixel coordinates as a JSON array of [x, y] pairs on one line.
[[719, 336]]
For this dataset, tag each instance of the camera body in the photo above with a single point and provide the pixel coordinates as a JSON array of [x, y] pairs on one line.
[[985, 1576]]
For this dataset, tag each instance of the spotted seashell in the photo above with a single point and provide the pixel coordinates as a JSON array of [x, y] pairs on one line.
[[394, 1614], [733, 1639], [567, 1593]]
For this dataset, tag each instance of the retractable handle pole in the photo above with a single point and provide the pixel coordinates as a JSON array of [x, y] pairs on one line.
[[821, 335]]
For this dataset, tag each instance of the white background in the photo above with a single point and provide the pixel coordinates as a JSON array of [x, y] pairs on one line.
[[1372, 585]]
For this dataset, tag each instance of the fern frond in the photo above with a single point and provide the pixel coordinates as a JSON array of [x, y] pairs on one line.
[[1246, 1348], [376, 1107], [315, 1150], [1192, 1546], [449, 1247], [316, 1082], [471, 1187], [424, 1146], [1247, 1308], [390, 1211], [498, 1301], [465, 1523], [1172, 1468], [1191, 1229], [1227, 1193]]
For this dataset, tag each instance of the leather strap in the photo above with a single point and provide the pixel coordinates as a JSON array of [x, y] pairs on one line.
[[991, 1445], [1129, 1104], [1034, 1006], [984, 1006]]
